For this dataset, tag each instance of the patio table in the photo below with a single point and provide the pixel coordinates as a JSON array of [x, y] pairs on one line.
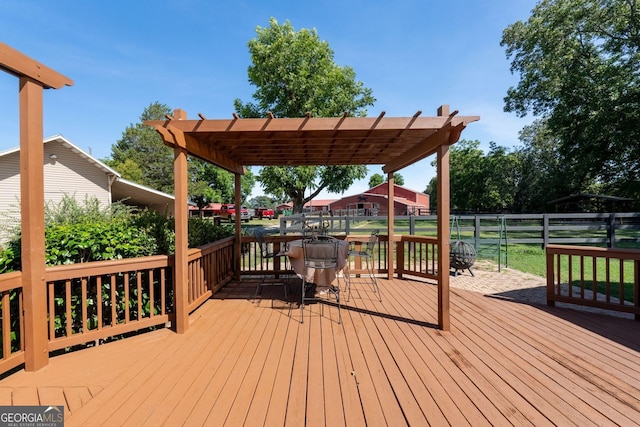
[[322, 278]]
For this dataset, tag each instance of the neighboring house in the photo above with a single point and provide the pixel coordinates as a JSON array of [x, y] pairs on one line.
[[71, 171], [317, 205], [375, 202]]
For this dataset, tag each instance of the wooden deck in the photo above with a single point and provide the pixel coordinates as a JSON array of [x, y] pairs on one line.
[[246, 362]]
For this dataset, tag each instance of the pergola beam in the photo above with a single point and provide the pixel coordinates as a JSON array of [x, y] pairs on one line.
[[448, 134], [307, 124], [20, 65], [174, 136]]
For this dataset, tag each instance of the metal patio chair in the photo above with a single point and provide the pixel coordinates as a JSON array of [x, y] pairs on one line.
[[365, 253], [267, 253], [319, 254]]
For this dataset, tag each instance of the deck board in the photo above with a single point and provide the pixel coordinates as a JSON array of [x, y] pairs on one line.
[[246, 361]]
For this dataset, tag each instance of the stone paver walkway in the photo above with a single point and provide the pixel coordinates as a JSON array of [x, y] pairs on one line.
[[510, 284]]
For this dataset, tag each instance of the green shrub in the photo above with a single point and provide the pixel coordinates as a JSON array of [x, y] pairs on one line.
[[158, 226], [203, 231], [96, 241], [83, 232]]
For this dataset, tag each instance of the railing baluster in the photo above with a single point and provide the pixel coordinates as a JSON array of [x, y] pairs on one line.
[[68, 320], [83, 299], [99, 302], [6, 325]]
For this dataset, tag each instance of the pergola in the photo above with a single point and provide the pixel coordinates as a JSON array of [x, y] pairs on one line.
[[233, 144]]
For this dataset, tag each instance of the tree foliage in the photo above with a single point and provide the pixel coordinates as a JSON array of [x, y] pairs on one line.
[[398, 179], [377, 179], [543, 171], [263, 201], [578, 62], [480, 183], [141, 156], [294, 74]]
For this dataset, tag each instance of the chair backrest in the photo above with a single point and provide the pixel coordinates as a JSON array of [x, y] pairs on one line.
[[320, 253], [371, 243], [264, 247]]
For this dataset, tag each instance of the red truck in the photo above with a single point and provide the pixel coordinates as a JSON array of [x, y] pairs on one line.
[[263, 212], [228, 212]]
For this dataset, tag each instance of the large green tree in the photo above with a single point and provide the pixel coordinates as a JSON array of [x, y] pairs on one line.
[[294, 74], [543, 171], [480, 183], [578, 62]]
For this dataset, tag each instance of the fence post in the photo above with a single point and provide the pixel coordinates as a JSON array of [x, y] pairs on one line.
[[412, 225], [476, 231], [611, 231], [636, 287], [550, 278], [545, 230]]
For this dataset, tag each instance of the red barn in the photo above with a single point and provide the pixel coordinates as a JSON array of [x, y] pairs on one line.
[[374, 202]]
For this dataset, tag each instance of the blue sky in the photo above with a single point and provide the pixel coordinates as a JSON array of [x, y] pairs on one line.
[[192, 54]]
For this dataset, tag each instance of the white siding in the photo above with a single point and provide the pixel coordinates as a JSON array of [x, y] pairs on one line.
[[73, 175], [68, 173], [9, 194]]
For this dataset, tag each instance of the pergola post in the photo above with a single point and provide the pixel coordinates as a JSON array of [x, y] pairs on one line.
[[32, 217], [181, 212], [443, 212], [391, 248], [180, 267], [238, 229]]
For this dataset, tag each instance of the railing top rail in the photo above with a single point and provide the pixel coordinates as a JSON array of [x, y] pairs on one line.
[[10, 281], [95, 268], [631, 254]]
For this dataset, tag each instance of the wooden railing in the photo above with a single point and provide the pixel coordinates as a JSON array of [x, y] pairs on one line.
[[101, 300], [417, 256], [210, 268], [253, 263], [98, 300], [12, 321], [105, 299], [595, 277]]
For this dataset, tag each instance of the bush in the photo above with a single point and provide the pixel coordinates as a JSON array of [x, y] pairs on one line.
[[161, 227], [78, 233], [96, 241], [203, 231]]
